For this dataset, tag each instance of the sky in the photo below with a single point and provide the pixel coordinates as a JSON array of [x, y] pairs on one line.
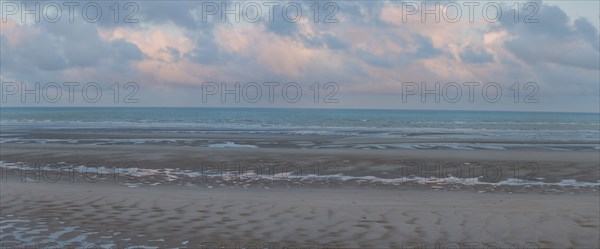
[[465, 55]]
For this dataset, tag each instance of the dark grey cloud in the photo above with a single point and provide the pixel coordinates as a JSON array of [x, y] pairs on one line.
[[51, 48], [587, 31], [549, 21], [530, 52], [282, 27], [473, 55], [206, 51], [123, 53], [553, 39], [335, 43], [425, 48], [180, 13], [42, 53], [362, 13]]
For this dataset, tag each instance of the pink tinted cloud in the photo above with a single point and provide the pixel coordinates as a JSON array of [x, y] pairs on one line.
[[159, 65]]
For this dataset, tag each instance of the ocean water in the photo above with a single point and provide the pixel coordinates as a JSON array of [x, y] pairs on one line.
[[491, 128], [308, 129]]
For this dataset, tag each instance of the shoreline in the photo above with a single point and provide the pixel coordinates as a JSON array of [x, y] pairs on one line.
[[486, 166]]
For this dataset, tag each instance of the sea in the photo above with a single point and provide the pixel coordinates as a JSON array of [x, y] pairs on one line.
[[431, 128]]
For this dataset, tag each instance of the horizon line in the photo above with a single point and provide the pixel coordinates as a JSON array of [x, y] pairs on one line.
[[303, 108]]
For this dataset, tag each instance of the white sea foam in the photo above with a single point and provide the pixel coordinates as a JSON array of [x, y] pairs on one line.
[[171, 175], [230, 145]]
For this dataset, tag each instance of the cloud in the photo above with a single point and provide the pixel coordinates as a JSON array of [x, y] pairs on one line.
[[327, 40], [52, 48], [206, 51], [182, 14], [425, 48], [554, 39], [282, 27], [370, 50], [587, 31], [474, 55]]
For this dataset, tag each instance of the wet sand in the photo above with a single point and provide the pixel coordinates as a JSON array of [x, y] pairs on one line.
[[330, 198], [104, 214]]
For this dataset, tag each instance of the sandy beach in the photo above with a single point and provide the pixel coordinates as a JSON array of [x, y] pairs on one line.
[[167, 217], [172, 196]]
